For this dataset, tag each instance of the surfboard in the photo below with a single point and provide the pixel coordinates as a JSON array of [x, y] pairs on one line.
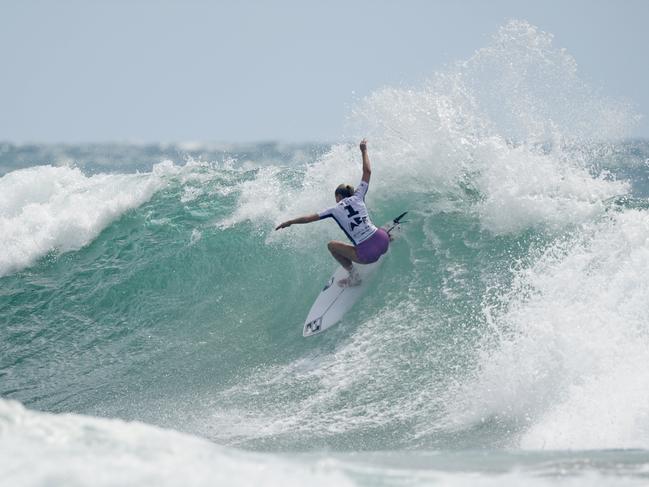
[[334, 301]]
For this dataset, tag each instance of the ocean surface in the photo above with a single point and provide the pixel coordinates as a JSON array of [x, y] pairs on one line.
[[151, 318]]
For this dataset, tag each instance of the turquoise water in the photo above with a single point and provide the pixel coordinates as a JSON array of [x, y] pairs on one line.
[[504, 341]]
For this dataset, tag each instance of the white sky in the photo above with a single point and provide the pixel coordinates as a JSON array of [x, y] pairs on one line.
[[235, 71]]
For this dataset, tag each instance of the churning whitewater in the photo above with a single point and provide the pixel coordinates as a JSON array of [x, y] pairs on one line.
[[145, 284]]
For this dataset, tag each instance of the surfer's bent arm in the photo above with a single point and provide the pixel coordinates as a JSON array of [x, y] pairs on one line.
[[367, 170], [302, 219]]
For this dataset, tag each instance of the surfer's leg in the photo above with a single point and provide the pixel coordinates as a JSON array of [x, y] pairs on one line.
[[344, 253]]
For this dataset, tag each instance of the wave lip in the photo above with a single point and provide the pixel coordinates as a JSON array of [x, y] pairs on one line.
[[47, 208], [509, 136]]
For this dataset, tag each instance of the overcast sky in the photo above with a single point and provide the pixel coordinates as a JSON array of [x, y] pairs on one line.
[[235, 71]]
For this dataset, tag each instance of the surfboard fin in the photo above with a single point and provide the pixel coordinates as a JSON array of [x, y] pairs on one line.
[[397, 221]]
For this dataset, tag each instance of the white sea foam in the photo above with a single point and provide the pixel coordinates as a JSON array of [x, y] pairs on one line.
[[567, 364], [70, 450], [524, 189], [513, 122], [74, 450], [46, 208], [506, 132]]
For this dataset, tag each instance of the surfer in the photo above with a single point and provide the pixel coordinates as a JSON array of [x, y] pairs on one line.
[[350, 212]]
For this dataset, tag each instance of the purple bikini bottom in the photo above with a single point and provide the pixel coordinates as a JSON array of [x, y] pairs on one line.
[[370, 250]]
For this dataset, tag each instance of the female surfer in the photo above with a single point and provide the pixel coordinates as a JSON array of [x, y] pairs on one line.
[[369, 242]]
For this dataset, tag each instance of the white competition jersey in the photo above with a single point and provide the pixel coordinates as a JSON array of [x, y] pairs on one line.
[[351, 215]]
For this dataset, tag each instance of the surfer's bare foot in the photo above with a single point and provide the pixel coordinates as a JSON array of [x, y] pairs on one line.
[[346, 282], [354, 279]]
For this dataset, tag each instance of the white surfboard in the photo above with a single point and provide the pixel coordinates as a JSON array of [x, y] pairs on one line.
[[334, 301]]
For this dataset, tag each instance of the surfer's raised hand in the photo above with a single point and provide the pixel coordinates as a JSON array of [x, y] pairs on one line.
[[367, 170], [363, 145]]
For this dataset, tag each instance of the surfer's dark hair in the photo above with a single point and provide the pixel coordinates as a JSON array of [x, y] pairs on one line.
[[345, 190]]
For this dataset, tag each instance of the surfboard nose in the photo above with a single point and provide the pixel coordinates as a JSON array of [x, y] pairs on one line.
[[312, 327]]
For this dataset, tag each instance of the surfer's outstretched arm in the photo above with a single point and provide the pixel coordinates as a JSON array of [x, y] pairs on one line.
[[302, 219], [367, 170]]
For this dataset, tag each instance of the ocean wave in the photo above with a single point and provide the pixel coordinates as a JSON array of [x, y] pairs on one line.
[[46, 208], [69, 449], [562, 361]]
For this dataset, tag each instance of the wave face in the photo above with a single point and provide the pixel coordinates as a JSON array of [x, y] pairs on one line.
[[146, 283]]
